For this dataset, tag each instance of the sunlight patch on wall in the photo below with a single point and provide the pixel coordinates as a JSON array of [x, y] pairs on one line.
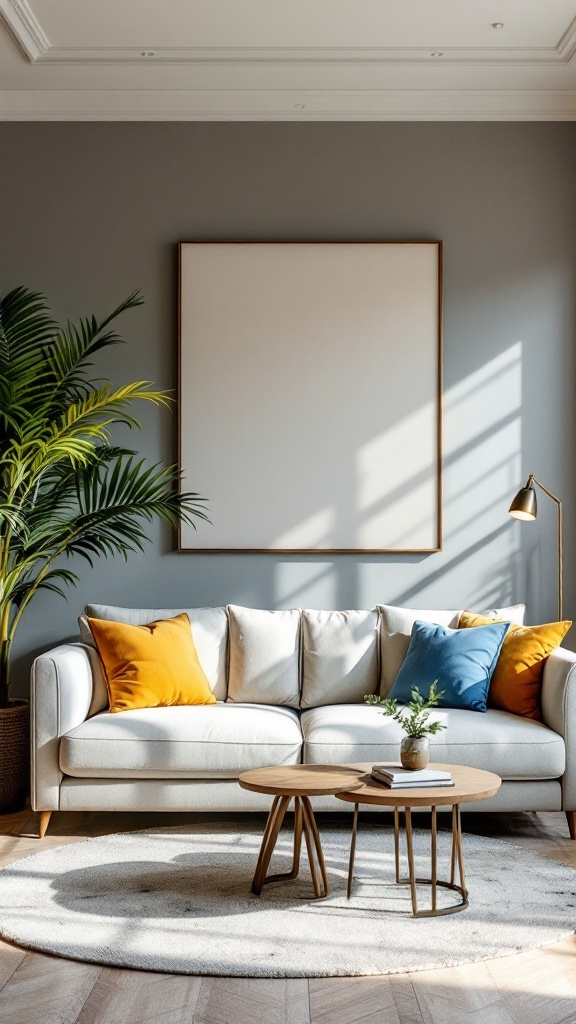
[[483, 441], [317, 530], [483, 444], [480, 564], [393, 488]]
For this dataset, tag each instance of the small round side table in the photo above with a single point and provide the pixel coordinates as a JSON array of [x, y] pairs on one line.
[[470, 784], [297, 782]]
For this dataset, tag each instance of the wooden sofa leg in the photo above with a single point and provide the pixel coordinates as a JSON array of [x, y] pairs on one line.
[[44, 822], [571, 819]]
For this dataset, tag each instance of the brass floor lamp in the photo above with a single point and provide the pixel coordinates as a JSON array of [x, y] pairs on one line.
[[525, 507]]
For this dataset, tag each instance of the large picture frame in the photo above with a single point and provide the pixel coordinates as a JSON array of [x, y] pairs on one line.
[[310, 395]]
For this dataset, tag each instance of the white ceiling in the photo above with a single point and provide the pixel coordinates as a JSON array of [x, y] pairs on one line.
[[177, 60]]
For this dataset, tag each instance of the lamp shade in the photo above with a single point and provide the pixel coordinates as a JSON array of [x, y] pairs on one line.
[[524, 505]]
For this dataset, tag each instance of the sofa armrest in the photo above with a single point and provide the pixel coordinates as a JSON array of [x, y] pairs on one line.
[[559, 713], [61, 693]]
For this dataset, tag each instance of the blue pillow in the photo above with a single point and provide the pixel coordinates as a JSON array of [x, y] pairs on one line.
[[462, 660]]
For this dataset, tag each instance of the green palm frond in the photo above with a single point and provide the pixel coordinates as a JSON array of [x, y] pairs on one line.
[[25, 327], [83, 425], [48, 582], [76, 345], [114, 504], [106, 402], [12, 516], [26, 331], [110, 511], [64, 489]]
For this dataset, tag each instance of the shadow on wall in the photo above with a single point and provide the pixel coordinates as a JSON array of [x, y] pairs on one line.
[[482, 467]]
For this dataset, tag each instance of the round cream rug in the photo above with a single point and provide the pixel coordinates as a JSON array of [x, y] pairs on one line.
[[178, 899]]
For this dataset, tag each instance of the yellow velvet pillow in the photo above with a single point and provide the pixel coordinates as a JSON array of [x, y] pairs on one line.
[[151, 666], [517, 679]]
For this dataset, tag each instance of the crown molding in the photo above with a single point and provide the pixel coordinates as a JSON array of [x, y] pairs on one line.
[[287, 105], [312, 56], [24, 26], [277, 104], [34, 43]]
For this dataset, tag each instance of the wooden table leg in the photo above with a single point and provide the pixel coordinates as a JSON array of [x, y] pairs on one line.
[[454, 847], [288, 875], [267, 829], [352, 851], [314, 846], [411, 868], [433, 847], [297, 836], [271, 832], [457, 861], [461, 853], [397, 843]]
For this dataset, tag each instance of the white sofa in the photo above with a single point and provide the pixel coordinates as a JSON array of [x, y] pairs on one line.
[[290, 687]]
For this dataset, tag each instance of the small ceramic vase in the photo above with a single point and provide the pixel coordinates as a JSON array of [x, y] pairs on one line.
[[415, 752]]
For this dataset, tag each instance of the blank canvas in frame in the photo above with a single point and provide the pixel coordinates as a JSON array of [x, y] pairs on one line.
[[310, 395]]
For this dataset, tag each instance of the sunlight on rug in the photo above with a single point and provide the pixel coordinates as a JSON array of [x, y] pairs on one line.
[[178, 900]]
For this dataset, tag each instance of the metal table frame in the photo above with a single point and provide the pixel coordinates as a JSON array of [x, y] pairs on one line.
[[456, 862]]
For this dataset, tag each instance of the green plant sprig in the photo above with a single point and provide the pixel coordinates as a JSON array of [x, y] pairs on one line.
[[413, 717]]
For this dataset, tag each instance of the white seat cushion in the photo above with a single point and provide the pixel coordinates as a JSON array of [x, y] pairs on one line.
[[513, 747], [211, 741], [339, 656]]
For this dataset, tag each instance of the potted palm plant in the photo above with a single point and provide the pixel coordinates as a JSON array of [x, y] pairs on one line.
[[65, 490]]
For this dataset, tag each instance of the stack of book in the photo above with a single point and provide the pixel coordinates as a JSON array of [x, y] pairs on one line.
[[396, 777]]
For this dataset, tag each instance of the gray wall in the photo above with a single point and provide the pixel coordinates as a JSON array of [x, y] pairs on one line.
[[91, 211]]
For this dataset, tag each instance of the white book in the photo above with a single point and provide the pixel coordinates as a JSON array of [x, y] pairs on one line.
[[415, 785], [441, 784], [395, 773]]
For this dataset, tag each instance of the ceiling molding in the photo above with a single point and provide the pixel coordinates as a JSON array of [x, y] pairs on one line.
[[567, 45], [32, 39], [321, 102], [24, 26], [310, 56], [287, 105]]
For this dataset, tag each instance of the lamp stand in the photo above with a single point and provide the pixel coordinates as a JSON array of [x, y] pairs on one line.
[[533, 479]]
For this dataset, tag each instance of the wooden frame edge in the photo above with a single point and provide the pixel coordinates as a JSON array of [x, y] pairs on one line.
[[440, 398]]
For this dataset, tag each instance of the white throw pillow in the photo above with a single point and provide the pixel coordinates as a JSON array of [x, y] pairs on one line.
[[209, 631], [339, 656], [397, 626], [264, 656]]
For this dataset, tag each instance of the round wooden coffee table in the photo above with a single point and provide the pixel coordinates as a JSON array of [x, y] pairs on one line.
[[297, 782], [470, 784]]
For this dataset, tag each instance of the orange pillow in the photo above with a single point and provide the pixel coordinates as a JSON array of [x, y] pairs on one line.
[[517, 679], [151, 666]]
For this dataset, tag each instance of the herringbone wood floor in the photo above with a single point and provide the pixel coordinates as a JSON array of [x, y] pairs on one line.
[[537, 987]]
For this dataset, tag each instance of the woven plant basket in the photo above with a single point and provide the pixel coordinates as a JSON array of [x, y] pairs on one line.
[[14, 756]]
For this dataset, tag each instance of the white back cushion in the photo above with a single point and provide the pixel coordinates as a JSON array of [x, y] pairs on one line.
[[209, 631], [339, 657], [397, 626], [264, 656], [100, 700]]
